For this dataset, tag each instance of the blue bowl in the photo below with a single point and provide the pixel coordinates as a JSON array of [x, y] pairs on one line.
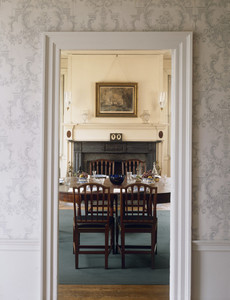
[[117, 179]]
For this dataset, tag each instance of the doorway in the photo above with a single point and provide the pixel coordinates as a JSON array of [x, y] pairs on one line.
[[146, 137], [181, 47]]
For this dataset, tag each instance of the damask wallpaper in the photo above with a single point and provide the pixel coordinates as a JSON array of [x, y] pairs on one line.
[[21, 25]]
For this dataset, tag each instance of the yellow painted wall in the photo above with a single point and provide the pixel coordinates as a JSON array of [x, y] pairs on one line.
[[86, 70], [82, 71]]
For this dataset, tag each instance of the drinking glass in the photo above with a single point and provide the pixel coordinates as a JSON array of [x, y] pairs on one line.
[[94, 174], [129, 176]]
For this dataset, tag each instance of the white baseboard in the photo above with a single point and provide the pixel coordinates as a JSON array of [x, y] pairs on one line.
[[211, 270]]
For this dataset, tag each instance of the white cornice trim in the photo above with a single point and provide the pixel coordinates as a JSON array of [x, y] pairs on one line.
[[19, 245], [203, 245]]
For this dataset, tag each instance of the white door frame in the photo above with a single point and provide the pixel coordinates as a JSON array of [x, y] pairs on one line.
[[180, 44]]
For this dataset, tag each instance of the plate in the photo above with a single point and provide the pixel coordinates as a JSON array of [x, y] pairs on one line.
[[100, 176]]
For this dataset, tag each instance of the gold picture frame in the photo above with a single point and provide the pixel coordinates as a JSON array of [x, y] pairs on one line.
[[116, 99]]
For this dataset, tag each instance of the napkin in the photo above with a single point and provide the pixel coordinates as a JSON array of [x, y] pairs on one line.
[[117, 190]]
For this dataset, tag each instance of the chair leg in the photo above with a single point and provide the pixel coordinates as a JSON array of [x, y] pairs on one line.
[[122, 249], [112, 238], [156, 240], [117, 237], [152, 248], [106, 246], [77, 244], [74, 241]]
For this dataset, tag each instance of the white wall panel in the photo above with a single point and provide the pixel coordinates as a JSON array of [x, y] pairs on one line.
[[20, 270], [211, 270]]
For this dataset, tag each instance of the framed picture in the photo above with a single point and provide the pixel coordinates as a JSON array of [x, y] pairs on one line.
[[116, 99]]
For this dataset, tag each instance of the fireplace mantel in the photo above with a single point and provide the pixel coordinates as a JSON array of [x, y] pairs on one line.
[[136, 126], [83, 151], [131, 131]]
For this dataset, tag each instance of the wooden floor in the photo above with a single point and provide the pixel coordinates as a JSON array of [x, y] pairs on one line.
[[113, 292]]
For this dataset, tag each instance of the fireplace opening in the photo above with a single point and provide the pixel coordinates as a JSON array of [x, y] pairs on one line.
[[84, 151], [117, 158]]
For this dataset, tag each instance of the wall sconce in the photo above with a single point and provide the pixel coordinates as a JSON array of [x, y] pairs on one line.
[[67, 99], [162, 99]]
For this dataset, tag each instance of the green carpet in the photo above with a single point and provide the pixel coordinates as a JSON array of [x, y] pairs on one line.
[[91, 266]]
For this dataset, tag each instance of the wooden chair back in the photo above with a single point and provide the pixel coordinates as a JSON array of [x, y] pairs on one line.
[[132, 165], [92, 203], [138, 203], [102, 166]]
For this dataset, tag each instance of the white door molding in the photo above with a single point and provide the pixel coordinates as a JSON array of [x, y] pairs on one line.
[[180, 44]]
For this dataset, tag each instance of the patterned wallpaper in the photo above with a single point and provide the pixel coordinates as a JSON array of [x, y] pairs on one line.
[[21, 25]]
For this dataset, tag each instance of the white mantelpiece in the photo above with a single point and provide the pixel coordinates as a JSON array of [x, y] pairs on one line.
[[135, 126], [101, 132], [130, 131]]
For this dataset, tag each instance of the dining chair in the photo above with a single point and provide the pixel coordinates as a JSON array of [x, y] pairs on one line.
[[138, 214], [102, 166], [93, 213], [133, 165]]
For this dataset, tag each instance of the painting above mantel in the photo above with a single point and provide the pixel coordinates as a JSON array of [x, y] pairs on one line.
[[115, 99]]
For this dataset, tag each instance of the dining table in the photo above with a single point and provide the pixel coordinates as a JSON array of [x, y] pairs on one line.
[[66, 189]]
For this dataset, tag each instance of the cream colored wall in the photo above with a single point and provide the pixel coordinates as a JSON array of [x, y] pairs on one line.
[[167, 142], [146, 70], [83, 71]]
